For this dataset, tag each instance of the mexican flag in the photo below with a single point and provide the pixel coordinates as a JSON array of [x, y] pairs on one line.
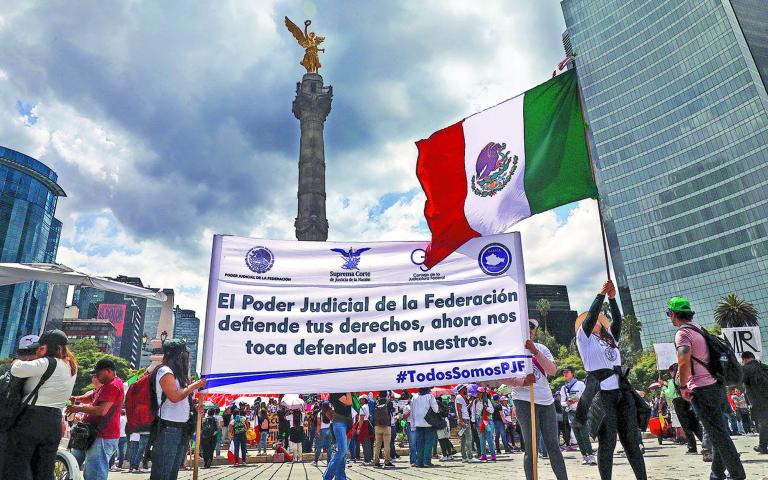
[[487, 172]]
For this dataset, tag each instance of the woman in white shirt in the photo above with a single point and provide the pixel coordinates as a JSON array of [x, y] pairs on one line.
[[33, 441], [173, 390], [425, 434], [546, 419], [598, 341]]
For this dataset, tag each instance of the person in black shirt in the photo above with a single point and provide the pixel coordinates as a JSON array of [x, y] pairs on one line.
[[296, 437], [341, 422], [755, 380]]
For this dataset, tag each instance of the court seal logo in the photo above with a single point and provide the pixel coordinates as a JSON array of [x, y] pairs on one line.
[[259, 259]]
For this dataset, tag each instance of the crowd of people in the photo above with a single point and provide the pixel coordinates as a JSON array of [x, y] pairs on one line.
[[488, 420]]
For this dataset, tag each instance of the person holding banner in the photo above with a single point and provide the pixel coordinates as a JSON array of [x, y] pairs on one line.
[[340, 424], [617, 408], [546, 418], [173, 390]]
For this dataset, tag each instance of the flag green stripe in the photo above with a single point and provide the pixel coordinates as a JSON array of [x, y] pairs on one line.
[[557, 169]]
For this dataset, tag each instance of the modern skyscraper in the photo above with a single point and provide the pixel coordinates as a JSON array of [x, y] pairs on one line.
[[28, 233], [560, 319], [187, 327], [124, 311], [679, 132]]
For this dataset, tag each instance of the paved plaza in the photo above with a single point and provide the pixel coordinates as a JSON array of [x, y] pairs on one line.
[[664, 462]]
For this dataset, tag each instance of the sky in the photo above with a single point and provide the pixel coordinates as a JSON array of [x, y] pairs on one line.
[[167, 122]]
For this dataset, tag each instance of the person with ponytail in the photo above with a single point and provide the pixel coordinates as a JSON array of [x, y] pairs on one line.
[[35, 436], [617, 410], [174, 391]]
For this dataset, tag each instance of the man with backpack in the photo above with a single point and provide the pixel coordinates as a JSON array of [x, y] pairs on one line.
[[756, 381], [705, 365], [382, 430], [208, 433]]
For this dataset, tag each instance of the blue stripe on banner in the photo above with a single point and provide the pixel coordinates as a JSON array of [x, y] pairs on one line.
[[221, 379]]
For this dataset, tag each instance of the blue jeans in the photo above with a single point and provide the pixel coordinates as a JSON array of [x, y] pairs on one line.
[[262, 446], [710, 402], [241, 447], [486, 436], [136, 451], [411, 434], [425, 440], [119, 455], [338, 463], [354, 448], [167, 452], [501, 431], [323, 442], [95, 460]]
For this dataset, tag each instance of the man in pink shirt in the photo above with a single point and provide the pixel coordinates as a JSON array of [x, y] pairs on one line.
[[703, 390]]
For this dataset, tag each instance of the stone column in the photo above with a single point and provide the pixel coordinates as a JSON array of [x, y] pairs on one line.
[[311, 106], [166, 325]]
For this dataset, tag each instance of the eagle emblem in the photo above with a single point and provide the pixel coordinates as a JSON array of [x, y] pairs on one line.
[[493, 170], [351, 257]]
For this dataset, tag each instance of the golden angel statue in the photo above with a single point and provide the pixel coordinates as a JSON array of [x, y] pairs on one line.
[[309, 41]]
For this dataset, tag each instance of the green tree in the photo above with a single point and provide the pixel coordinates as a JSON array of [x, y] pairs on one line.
[[643, 371], [630, 329], [547, 340], [87, 353], [734, 311], [542, 305]]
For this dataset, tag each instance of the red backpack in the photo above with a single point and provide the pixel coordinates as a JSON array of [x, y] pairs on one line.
[[141, 405]]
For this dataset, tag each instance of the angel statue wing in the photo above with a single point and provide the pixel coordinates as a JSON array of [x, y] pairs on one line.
[[297, 33]]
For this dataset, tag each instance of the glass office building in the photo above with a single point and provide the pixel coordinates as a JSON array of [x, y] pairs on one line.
[[679, 132], [187, 327], [28, 233]]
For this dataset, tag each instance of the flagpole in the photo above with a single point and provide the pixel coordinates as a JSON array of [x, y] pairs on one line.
[[594, 177], [198, 429], [534, 437]]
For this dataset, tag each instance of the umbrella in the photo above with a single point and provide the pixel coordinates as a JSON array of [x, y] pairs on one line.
[[208, 405], [440, 391], [12, 273], [293, 402], [654, 385]]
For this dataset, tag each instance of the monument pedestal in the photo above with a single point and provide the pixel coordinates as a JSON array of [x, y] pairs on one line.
[[311, 106]]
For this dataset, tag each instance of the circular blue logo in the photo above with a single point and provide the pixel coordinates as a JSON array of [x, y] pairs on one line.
[[259, 259], [494, 259]]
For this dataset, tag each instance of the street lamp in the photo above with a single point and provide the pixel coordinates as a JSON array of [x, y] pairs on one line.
[[163, 336]]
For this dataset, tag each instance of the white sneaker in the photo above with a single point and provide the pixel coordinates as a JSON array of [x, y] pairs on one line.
[[474, 460], [585, 460], [592, 459]]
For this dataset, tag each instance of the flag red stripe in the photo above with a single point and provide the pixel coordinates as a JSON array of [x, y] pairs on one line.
[[440, 169]]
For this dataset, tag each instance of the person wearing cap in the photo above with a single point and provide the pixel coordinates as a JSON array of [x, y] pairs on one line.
[[499, 427], [702, 389], [546, 418], [756, 383], [102, 410], [174, 391], [570, 393], [597, 339], [33, 440], [465, 428]]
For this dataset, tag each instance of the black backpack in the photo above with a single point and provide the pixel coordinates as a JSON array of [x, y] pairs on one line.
[[12, 400], [723, 364], [381, 416], [210, 427]]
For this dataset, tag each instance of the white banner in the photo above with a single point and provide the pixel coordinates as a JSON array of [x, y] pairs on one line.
[[297, 317], [666, 356], [744, 339]]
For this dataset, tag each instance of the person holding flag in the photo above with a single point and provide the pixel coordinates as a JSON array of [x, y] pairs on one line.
[[546, 419], [483, 412]]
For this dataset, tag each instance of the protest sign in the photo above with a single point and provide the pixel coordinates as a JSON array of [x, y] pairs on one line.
[[666, 355], [744, 339], [293, 317]]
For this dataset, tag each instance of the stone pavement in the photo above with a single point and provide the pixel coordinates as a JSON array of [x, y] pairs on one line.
[[663, 462]]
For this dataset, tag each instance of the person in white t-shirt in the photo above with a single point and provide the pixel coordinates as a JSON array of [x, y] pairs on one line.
[[122, 444], [465, 428], [570, 393], [546, 417], [173, 390]]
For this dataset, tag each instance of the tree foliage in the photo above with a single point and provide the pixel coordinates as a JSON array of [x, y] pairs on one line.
[[543, 307], [734, 311], [87, 353]]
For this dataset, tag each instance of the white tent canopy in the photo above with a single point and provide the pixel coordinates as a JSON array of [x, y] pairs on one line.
[[11, 273]]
